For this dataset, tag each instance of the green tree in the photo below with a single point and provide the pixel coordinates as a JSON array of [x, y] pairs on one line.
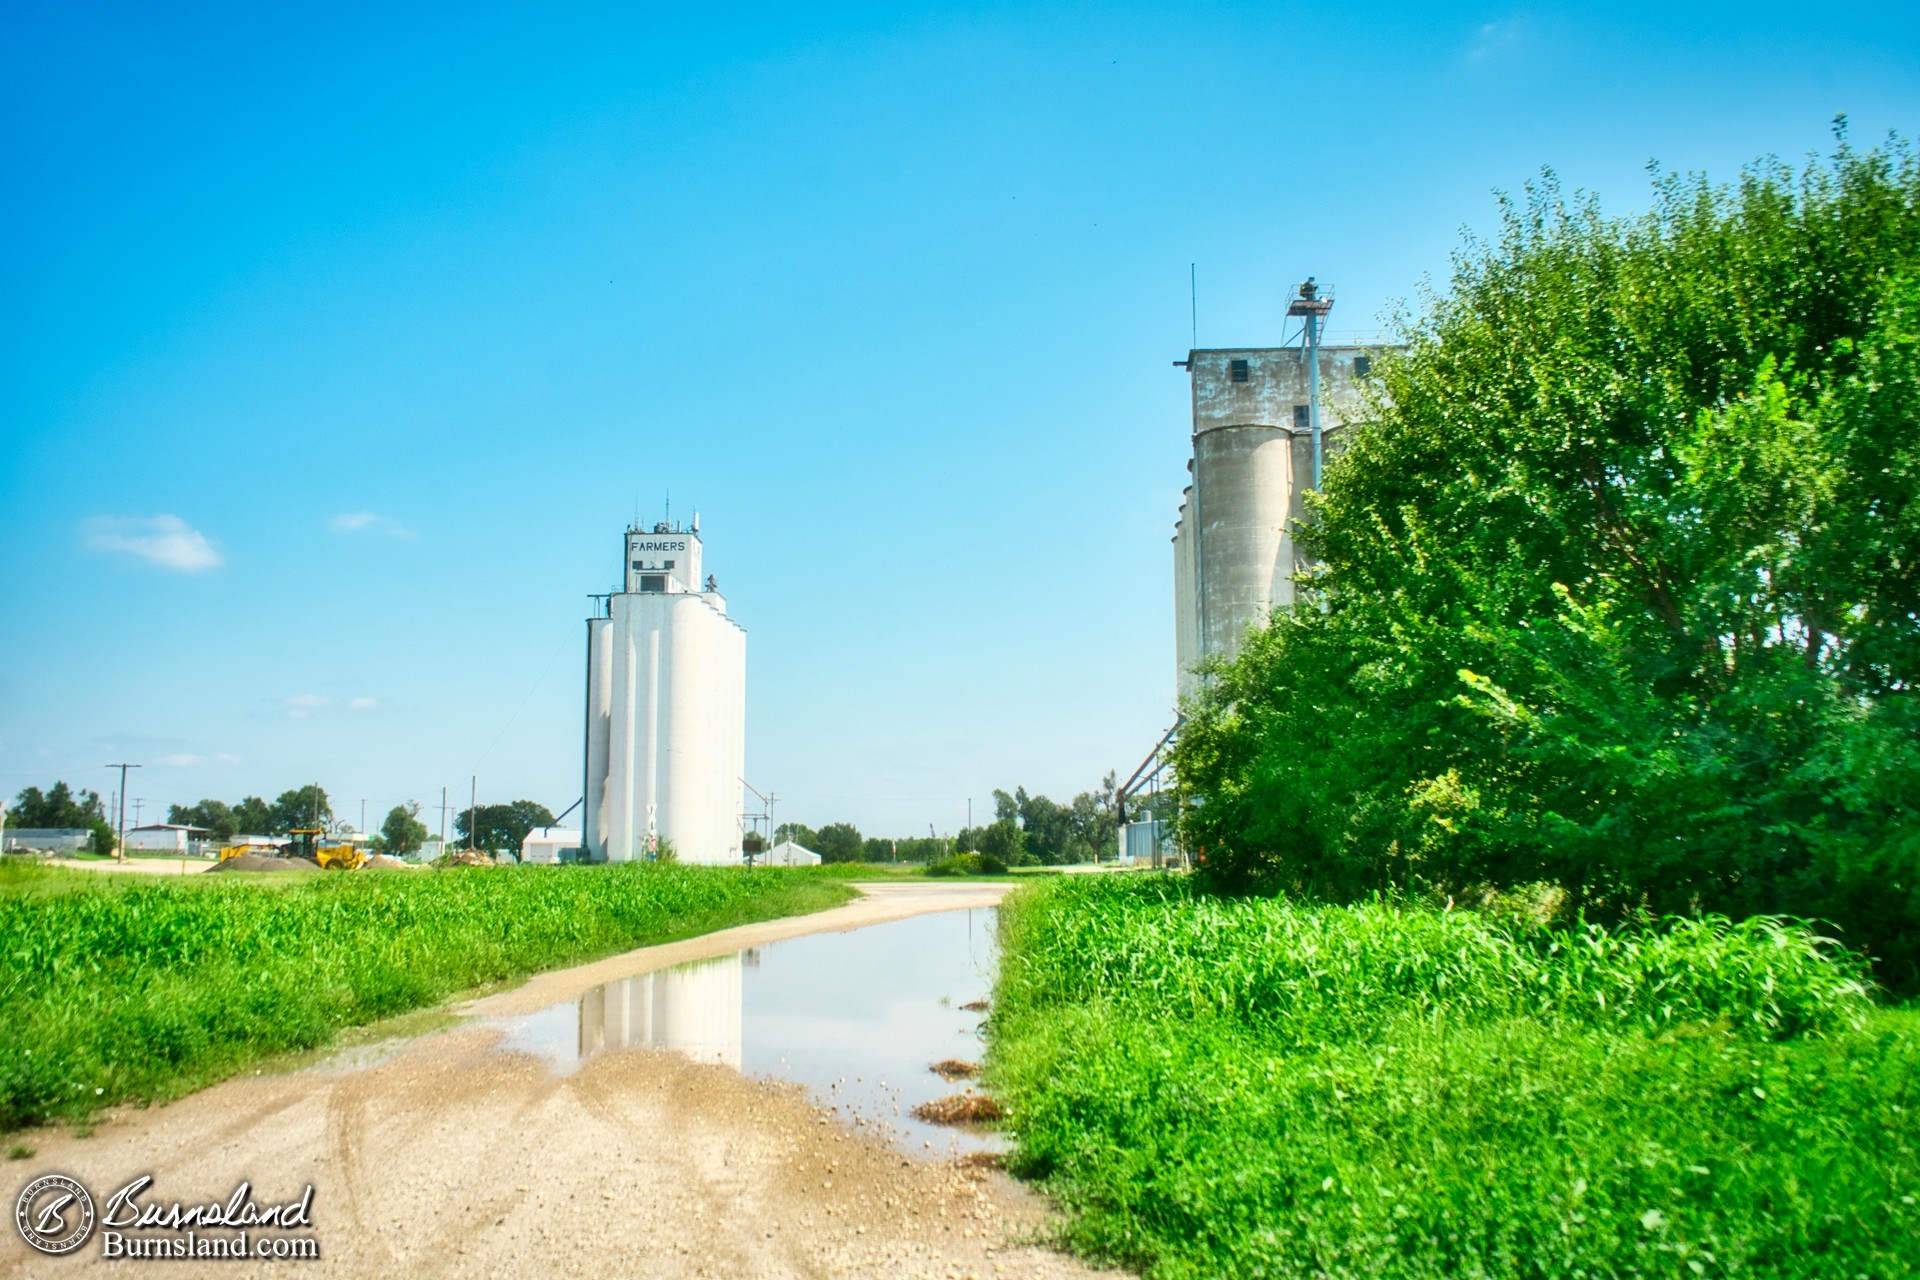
[[920, 848], [838, 842], [801, 834], [306, 806], [58, 807], [212, 815], [502, 828], [403, 833], [253, 816], [1622, 581], [1004, 841]]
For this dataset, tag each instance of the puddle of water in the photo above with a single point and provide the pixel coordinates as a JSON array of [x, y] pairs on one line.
[[856, 1017]]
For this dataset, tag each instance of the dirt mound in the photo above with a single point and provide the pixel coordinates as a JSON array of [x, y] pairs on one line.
[[383, 860], [955, 1069], [260, 862], [959, 1108], [468, 858]]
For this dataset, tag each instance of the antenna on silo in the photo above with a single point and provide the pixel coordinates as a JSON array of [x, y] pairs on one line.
[[1312, 306], [1193, 300]]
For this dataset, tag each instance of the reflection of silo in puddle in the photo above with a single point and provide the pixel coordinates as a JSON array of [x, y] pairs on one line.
[[693, 1009]]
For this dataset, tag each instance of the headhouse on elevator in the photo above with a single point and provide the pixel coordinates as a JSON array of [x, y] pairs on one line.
[[666, 708]]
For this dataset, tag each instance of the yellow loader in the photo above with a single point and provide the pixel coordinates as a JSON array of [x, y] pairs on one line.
[[305, 843]]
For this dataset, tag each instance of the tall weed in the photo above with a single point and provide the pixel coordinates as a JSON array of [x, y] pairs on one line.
[[1261, 1088]]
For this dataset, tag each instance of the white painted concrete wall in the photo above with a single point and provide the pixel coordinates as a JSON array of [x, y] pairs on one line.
[[599, 714]]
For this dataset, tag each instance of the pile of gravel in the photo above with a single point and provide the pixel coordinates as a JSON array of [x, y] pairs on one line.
[[260, 862]]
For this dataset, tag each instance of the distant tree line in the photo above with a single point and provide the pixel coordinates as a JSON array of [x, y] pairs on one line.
[[1027, 830], [59, 808], [499, 826], [306, 806]]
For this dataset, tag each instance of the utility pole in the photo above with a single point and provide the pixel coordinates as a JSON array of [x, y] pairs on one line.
[[473, 811], [138, 803], [363, 815], [444, 806], [120, 846]]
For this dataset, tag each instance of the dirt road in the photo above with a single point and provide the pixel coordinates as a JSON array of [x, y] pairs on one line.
[[137, 866], [450, 1158]]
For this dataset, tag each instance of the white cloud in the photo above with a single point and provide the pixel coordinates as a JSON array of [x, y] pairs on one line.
[[165, 540], [368, 522], [182, 760], [363, 704], [223, 757], [1493, 39], [302, 705]]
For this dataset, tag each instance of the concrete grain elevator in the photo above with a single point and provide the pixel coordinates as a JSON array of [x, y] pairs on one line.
[[1261, 418], [666, 708]]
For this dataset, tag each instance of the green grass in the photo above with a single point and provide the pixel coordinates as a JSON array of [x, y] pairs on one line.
[[131, 988], [1261, 1088]]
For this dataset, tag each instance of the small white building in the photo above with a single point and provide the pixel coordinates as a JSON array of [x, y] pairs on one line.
[[46, 839], [789, 854], [163, 837], [544, 845]]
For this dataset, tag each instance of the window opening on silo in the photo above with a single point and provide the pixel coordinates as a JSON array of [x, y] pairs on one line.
[[667, 565], [1237, 370], [1362, 366], [638, 566], [1300, 417], [653, 582]]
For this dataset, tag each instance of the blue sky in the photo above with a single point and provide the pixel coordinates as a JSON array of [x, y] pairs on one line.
[[340, 345]]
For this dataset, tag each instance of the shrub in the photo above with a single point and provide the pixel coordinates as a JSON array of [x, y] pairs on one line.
[[968, 864]]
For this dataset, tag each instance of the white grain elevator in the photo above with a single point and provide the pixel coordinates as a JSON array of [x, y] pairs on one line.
[[666, 708]]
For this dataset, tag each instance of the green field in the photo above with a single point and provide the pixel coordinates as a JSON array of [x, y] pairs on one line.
[[1252, 1087], [132, 988]]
